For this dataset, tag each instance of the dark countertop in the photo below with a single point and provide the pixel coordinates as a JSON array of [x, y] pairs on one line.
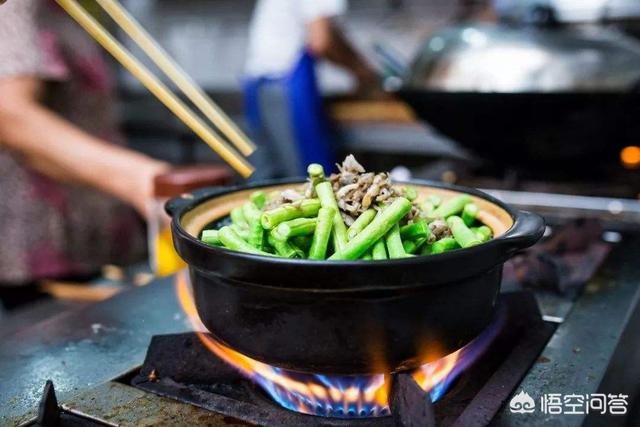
[[579, 354], [84, 348]]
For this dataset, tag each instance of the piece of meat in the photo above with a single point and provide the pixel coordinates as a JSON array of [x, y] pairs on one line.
[[414, 213], [309, 190], [348, 219], [439, 229], [355, 189], [384, 194], [366, 179], [350, 164], [290, 195], [380, 181], [344, 191]]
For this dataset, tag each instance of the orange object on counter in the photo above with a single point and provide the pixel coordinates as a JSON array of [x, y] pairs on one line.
[[630, 157], [167, 261]]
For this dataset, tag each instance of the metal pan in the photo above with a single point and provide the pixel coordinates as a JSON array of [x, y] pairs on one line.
[[538, 132], [345, 317]]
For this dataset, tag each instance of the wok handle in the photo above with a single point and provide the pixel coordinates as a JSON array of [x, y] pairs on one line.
[[527, 229], [177, 204]]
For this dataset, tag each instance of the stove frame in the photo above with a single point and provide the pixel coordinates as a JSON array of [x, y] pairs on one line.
[[180, 368]]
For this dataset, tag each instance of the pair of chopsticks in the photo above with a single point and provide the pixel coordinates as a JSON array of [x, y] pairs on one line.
[[177, 75]]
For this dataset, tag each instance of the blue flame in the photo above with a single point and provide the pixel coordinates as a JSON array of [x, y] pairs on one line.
[[469, 354], [358, 406], [344, 396]]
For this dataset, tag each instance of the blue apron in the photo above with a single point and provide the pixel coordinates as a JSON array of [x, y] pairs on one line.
[[306, 123]]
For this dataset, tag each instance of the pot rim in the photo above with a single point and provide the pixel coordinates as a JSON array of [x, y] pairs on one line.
[[527, 228]]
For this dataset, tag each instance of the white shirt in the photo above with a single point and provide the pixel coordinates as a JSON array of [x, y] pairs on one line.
[[277, 33]]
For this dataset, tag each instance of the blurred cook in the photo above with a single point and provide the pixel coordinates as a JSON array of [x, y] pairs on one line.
[[283, 30], [286, 38], [68, 188]]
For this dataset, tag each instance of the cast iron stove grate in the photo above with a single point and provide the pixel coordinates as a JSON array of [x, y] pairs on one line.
[[180, 367]]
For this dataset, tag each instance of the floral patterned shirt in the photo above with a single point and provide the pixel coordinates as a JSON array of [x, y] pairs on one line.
[[49, 229]]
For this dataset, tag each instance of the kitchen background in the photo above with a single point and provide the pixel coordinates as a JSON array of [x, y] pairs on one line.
[[209, 39], [535, 101], [218, 32]]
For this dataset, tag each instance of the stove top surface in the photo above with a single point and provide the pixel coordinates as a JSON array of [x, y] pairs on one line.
[[181, 368], [202, 379]]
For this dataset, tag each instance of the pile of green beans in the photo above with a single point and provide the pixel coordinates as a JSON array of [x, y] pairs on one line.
[[314, 228]]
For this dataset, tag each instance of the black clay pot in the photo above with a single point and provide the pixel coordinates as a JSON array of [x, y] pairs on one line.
[[346, 317]]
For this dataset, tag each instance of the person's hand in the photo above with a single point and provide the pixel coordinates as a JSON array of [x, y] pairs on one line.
[[141, 181]]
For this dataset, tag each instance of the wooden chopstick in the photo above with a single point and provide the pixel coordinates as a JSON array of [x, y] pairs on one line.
[[156, 87], [174, 72]]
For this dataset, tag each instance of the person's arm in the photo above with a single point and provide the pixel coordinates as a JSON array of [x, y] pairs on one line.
[[57, 148], [326, 40]]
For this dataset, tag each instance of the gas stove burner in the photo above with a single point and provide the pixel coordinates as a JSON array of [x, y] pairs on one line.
[[182, 367], [352, 396], [342, 396]]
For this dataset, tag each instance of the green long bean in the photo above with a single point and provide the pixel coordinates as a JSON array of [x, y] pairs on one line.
[[413, 246], [282, 247], [451, 207], [300, 251], [315, 170], [256, 231], [394, 243], [483, 232], [434, 200], [242, 231], [463, 235], [211, 237], [443, 245], [295, 227], [305, 209], [302, 242], [361, 222], [237, 217], [232, 241], [469, 213], [322, 233], [324, 190], [418, 230], [259, 198], [379, 250], [316, 175], [381, 224], [410, 193], [427, 209]]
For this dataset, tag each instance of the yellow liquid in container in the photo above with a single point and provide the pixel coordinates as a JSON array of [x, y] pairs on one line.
[[167, 260]]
